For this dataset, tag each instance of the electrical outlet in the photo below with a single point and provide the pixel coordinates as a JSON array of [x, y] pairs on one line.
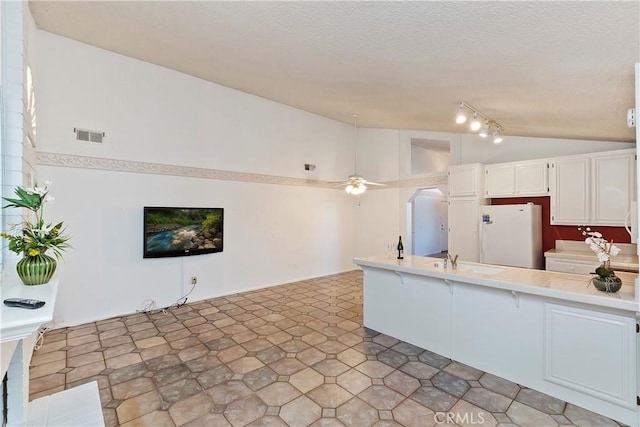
[[194, 280]]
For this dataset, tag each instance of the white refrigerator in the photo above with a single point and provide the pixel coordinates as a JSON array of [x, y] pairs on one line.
[[511, 235]]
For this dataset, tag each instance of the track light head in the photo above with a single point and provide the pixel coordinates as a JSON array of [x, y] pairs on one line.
[[484, 130], [461, 116], [475, 124], [497, 136]]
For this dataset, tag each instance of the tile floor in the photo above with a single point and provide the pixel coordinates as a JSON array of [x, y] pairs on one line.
[[293, 355]]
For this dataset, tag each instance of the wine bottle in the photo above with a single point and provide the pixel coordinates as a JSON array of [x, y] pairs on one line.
[[400, 248]]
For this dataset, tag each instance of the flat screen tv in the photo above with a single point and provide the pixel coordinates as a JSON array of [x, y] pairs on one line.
[[170, 232]]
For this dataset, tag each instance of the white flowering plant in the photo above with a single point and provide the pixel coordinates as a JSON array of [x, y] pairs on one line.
[[35, 238], [603, 249]]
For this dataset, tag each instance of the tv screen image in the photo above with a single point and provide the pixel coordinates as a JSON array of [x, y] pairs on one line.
[[180, 231]]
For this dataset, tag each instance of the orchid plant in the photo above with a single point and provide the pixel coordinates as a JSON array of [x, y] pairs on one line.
[[603, 249], [35, 238]]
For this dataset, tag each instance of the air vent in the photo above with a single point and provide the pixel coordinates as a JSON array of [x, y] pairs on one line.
[[88, 135]]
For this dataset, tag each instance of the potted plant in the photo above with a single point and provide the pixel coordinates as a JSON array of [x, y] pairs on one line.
[[34, 239], [605, 278]]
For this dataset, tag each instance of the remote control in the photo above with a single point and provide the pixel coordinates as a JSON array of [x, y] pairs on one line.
[[23, 303]]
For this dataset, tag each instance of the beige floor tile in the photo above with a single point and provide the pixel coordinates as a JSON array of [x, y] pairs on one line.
[[150, 342], [132, 388], [245, 365], [44, 358], [47, 369], [123, 360], [85, 371], [306, 380], [138, 406], [329, 395], [118, 350], [354, 382], [278, 393], [300, 412], [153, 419]]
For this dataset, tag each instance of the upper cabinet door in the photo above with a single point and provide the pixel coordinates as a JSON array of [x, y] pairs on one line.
[[517, 179], [500, 180], [466, 180], [570, 191], [613, 178], [532, 178]]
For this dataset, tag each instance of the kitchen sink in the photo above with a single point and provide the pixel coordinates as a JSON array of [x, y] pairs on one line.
[[479, 269], [470, 268]]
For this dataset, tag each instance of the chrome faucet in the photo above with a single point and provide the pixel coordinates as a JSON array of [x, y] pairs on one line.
[[454, 261]]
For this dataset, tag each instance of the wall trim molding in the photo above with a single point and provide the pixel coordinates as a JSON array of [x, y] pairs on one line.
[[115, 165]]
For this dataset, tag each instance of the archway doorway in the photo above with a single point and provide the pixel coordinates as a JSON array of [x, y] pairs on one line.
[[427, 216]]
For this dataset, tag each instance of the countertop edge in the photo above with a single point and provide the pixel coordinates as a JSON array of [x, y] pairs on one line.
[[483, 280]]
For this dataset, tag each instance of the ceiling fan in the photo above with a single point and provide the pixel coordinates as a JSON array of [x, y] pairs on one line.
[[355, 183]]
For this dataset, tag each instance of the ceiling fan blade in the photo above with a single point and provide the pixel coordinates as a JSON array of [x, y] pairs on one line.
[[375, 183]]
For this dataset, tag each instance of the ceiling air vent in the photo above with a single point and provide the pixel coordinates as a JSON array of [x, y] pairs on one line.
[[88, 135]]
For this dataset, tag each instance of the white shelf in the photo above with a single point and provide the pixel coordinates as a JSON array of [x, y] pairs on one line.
[[18, 323]]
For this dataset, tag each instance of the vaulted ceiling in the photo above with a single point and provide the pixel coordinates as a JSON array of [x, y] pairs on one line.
[[560, 69]]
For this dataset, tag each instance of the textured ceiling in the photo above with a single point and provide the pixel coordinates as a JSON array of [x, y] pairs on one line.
[[549, 69]]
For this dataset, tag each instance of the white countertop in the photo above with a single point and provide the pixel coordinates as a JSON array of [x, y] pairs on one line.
[[17, 323], [627, 259], [570, 287]]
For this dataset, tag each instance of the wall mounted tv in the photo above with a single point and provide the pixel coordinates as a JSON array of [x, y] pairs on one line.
[[170, 232]]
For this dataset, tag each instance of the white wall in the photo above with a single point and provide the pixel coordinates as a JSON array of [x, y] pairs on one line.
[[154, 114], [273, 233], [426, 160], [378, 154]]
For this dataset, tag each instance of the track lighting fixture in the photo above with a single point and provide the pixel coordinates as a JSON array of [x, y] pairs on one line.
[[461, 116], [484, 130], [476, 124], [497, 136]]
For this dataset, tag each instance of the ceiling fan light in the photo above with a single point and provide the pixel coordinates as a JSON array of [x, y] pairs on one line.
[[475, 124], [484, 130], [359, 189], [461, 116]]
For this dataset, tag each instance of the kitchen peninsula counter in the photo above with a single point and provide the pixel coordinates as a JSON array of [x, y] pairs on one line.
[[565, 286], [552, 332]]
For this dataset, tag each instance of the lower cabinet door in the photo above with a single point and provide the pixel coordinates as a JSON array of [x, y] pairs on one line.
[[591, 352]]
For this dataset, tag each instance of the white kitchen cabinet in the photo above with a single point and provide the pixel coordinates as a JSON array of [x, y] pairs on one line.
[[532, 178], [577, 339], [464, 224], [466, 180], [516, 179], [570, 197], [500, 180], [613, 177], [575, 266], [592, 189]]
